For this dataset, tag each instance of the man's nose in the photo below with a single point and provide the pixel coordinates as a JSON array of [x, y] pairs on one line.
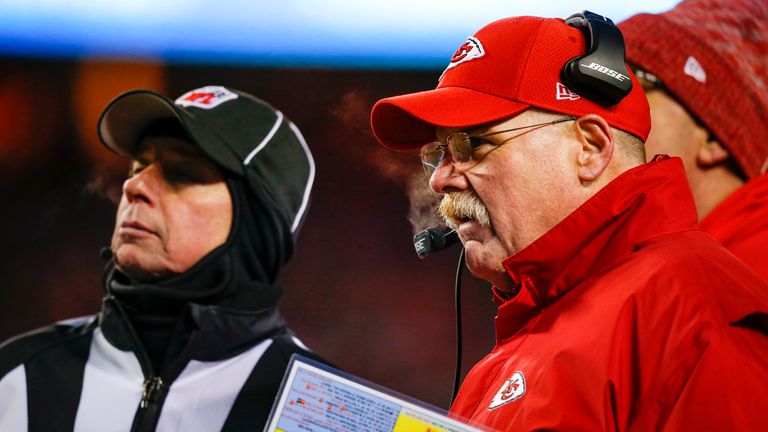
[[447, 178], [142, 186]]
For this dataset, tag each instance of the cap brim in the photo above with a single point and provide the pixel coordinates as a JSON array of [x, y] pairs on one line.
[[409, 121], [127, 117]]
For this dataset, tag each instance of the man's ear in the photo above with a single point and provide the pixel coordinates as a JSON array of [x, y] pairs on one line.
[[597, 144], [711, 153]]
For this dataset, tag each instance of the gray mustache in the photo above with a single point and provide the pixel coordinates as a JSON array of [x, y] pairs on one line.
[[458, 206]]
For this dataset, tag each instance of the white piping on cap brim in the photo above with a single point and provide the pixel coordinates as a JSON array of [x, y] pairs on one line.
[[764, 167], [310, 180], [266, 139]]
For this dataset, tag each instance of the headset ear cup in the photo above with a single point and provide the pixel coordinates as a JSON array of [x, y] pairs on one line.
[[600, 74], [567, 73]]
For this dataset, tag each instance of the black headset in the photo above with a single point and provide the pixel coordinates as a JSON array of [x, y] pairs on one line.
[[601, 74]]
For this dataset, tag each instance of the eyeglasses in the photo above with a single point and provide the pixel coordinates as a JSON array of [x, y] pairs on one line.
[[648, 80], [461, 146]]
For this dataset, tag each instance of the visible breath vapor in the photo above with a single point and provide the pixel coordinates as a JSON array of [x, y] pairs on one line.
[[400, 167], [353, 113], [104, 184], [424, 203]]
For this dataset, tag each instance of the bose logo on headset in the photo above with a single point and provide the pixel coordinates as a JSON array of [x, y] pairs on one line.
[[608, 71], [586, 74]]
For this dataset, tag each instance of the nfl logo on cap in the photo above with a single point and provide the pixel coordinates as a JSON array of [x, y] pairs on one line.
[[206, 97]]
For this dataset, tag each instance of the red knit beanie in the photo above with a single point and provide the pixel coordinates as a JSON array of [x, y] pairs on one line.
[[712, 55]]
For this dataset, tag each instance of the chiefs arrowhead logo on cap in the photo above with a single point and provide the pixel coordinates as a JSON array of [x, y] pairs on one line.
[[206, 97], [469, 50], [512, 389]]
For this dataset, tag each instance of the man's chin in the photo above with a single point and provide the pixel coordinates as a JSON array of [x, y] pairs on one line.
[[132, 264], [484, 261], [484, 251]]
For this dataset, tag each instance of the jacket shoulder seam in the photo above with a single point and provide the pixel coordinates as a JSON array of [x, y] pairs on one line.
[[21, 349]]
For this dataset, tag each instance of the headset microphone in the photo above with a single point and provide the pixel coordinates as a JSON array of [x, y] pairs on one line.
[[432, 240], [106, 253]]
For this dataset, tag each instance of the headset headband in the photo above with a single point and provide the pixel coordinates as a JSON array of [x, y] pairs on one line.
[[601, 74]]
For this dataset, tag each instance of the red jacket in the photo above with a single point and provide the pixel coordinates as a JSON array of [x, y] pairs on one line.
[[629, 318], [740, 223]]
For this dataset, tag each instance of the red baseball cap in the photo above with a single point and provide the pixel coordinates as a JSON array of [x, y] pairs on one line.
[[507, 67]]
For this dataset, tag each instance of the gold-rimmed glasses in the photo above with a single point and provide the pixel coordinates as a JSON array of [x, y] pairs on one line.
[[461, 145]]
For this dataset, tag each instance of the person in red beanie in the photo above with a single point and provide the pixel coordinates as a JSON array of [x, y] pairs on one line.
[[704, 65], [616, 312]]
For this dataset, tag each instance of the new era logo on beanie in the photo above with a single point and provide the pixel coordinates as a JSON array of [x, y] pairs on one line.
[[244, 135], [505, 68], [712, 56], [693, 69]]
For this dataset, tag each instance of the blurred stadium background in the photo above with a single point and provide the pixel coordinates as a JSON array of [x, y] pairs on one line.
[[355, 292]]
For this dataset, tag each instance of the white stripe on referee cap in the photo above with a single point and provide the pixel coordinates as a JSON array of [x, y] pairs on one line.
[[310, 179], [266, 139]]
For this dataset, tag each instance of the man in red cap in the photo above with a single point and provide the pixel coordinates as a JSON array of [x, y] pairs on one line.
[[704, 65], [615, 311]]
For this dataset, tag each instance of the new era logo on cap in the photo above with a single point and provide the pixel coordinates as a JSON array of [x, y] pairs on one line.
[[563, 93], [206, 97]]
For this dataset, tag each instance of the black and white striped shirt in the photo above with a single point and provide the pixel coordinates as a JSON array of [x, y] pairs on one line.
[[88, 374]]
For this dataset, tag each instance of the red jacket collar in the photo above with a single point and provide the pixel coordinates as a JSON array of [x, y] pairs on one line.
[[647, 201]]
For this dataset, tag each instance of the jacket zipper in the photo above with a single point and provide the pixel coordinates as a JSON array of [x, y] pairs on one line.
[[154, 388], [152, 398]]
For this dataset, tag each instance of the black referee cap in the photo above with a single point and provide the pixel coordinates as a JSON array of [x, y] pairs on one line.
[[243, 134]]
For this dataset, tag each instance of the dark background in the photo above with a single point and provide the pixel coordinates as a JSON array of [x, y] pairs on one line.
[[355, 291]]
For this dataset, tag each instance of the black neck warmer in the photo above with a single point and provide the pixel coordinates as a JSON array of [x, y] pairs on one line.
[[239, 275]]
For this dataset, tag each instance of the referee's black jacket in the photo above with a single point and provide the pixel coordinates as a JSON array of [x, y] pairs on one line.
[[91, 374]]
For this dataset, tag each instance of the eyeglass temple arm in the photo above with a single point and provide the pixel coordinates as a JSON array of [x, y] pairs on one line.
[[560, 120]]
